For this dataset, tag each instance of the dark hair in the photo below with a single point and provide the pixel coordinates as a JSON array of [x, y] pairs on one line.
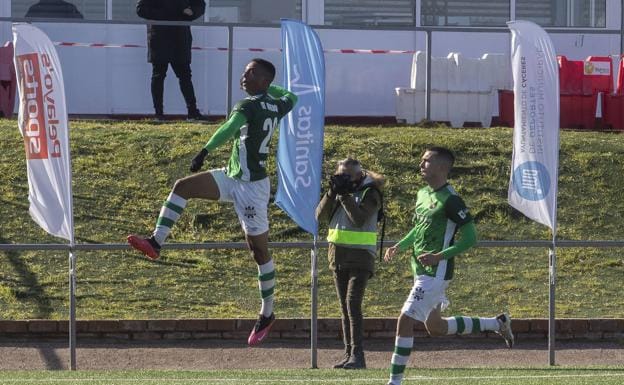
[[266, 66], [443, 153]]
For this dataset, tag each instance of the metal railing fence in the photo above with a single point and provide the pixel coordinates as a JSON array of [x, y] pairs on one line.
[[301, 245]]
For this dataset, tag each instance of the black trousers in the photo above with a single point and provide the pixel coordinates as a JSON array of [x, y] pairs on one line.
[[350, 287], [183, 72]]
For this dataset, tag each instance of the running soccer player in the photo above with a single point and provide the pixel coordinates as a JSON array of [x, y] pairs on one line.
[[244, 181], [439, 216]]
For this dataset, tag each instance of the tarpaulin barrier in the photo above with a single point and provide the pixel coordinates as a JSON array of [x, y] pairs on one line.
[[8, 83]]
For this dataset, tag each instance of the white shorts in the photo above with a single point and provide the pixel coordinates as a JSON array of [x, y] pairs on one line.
[[251, 200], [426, 294]]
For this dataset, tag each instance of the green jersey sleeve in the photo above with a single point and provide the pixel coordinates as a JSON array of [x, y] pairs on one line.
[[288, 98], [408, 240], [466, 238], [226, 131]]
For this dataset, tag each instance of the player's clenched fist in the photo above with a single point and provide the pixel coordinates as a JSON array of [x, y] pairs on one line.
[[429, 259], [198, 160]]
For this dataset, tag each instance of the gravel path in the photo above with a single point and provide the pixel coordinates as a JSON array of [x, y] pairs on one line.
[[233, 354]]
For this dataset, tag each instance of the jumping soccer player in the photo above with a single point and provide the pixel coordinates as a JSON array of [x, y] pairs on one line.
[[440, 214], [244, 181]]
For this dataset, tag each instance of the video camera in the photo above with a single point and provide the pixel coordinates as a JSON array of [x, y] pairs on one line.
[[341, 184]]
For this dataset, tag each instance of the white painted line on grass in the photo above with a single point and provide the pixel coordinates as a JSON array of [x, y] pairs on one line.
[[303, 380], [506, 377]]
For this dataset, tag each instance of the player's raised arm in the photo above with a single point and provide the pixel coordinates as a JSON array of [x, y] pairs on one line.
[[289, 98], [227, 131]]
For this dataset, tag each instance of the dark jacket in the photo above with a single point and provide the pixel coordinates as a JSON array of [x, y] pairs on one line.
[[348, 258], [169, 43], [54, 8]]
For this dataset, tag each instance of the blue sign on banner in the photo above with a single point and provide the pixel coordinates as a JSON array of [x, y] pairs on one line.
[[300, 149], [531, 181]]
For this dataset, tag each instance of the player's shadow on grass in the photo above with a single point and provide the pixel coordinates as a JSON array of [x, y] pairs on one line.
[[33, 293], [33, 289], [17, 206]]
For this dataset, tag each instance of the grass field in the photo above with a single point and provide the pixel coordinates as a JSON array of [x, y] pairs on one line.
[[124, 170], [533, 376]]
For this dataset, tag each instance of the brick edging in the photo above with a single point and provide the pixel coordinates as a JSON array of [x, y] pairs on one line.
[[328, 328]]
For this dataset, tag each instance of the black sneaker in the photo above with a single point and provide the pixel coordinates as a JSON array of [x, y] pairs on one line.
[[196, 117], [261, 329]]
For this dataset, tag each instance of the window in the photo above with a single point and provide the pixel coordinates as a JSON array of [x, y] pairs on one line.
[[88, 9], [370, 12], [360, 13], [124, 10], [465, 13], [226, 11], [563, 13], [542, 12], [253, 11]]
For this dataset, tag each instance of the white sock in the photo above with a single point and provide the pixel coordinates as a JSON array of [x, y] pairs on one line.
[[400, 357], [470, 325], [452, 326], [489, 324]]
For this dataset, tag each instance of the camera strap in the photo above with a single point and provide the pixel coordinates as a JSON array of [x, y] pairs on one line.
[[381, 216]]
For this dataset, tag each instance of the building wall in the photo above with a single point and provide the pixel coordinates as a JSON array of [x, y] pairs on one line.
[[116, 80]]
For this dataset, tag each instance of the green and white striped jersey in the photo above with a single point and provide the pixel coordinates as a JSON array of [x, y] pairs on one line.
[[437, 216], [251, 144]]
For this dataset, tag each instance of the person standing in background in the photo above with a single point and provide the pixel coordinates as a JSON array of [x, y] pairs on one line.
[[351, 206], [55, 9], [171, 45]]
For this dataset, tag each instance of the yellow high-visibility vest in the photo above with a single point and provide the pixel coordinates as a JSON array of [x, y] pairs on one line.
[[343, 232]]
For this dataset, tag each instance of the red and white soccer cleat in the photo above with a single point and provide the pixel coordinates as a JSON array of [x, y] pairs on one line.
[[147, 246]]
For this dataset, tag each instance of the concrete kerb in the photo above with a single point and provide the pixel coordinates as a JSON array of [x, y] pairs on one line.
[[329, 328]]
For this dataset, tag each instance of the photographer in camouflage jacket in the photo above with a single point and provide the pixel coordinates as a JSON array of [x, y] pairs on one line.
[[351, 206]]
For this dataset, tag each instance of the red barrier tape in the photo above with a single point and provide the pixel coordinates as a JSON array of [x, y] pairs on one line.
[[352, 51]]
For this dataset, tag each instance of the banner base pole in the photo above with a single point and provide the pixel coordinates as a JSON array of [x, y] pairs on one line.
[[314, 318], [72, 311], [552, 263]]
